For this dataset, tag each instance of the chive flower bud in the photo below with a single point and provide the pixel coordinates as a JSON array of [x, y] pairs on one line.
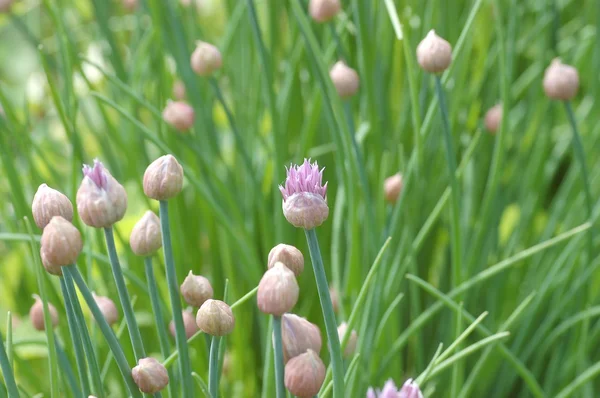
[[179, 114], [410, 389], [304, 196], [493, 118], [298, 335], [215, 318], [61, 243], [392, 187], [205, 59], [52, 269], [146, 237], [304, 374], [101, 200], [108, 309], [163, 179], [189, 324], [290, 256], [324, 10], [278, 291], [561, 81], [179, 90], [5, 5], [150, 375], [47, 203], [345, 79], [434, 54], [335, 298], [196, 289], [36, 314], [352, 340], [130, 5]]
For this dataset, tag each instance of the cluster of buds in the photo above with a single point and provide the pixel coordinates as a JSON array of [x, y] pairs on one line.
[[36, 314], [410, 389]]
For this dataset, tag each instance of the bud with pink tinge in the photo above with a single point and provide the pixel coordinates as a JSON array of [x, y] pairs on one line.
[[392, 187], [179, 114], [345, 79], [352, 340], [305, 374], [189, 324], [410, 389], [278, 291], [5, 5], [335, 298], [215, 318], [36, 314], [305, 196], [108, 309], [146, 237], [298, 335], [101, 200], [205, 59], [561, 81], [52, 269], [434, 54], [150, 375], [290, 256], [61, 243], [196, 289], [324, 10], [493, 118], [47, 203], [130, 5], [179, 90], [163, 179]]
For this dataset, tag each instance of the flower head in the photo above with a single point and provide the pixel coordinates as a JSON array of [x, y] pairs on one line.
[[298, 335], [179, 114], [305, 195], [324, 10], [150, 375], [189, 325], [289, 255], [305, 374], [163, 178], [47, 203], [146, 237], [215, 318], [206, 59], [345, 79], [36, 314], [196, 289], [108, 309], [434, 54], [392, 187], [561, 81], [60, 245], [410, 389], [278, 290]]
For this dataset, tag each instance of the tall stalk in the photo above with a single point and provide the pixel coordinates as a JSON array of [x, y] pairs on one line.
[[278, 357]]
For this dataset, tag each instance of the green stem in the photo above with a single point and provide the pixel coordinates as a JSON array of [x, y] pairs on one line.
[[106, 330], [75, 339], [66, 367], [278, 356], [132, 326], [180, 338], [7, 372], [337, 363], [213, 370]]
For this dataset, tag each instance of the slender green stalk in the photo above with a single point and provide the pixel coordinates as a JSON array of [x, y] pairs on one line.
[[213, 369], [337, 363], [132, 326], [67, 369], [278, 357], [7, 372], [75, 339], [180, 339], [9, 338], [455, 235], [106, 330]]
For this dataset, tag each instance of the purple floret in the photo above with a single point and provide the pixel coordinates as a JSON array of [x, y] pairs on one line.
[[304, 178], [96, 173]]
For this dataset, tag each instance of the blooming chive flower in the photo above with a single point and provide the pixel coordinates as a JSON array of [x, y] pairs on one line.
[[305, 196], [410, 389]]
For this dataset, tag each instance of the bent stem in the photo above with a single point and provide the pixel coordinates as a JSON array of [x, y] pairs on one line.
[[337, 364], [213, 370], [180, 338], [278, 356], [134, 331]]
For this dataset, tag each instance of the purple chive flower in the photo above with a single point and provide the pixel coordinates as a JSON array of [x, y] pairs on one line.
[[410, 389], [101, 200], [305, 195]]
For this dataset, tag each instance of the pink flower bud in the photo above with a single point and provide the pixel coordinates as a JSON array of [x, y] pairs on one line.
[[108, 309], [61, 243], [189, 324], [324, 10], [101, 200], [215, 318], [130, 5], [36, 314], [305, 374], [150, 375], [410, 389], [493, 118], [290, 256], [196, 289], [335, 298], [298, 335], [178, 114], [146, 237], [278, 291], [561, 81], [205, 59], [5, 5], [163, 179], [392, 187], [345, 79], [434, 54], [352, 340], [47, 203], [52, 269], [179, 90]]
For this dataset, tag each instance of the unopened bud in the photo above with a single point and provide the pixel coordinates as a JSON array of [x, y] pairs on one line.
[[561, 81], [179, 114], [150, 375], [305, 374], [179, 90], [493, 118], [205, 59], [146, 237], [290, 256], [52, 269], [108, 309], [352, 340], [189, 324], [163, 179], [47, 203], [215, 318], [101, 200], [196, 289], [434, 54], [130, 5], [335, 298], [36, 314], [345, 79], [392, 187], [61, 242], [298, 335], [5, 5], [324, 10], [278, 291]]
